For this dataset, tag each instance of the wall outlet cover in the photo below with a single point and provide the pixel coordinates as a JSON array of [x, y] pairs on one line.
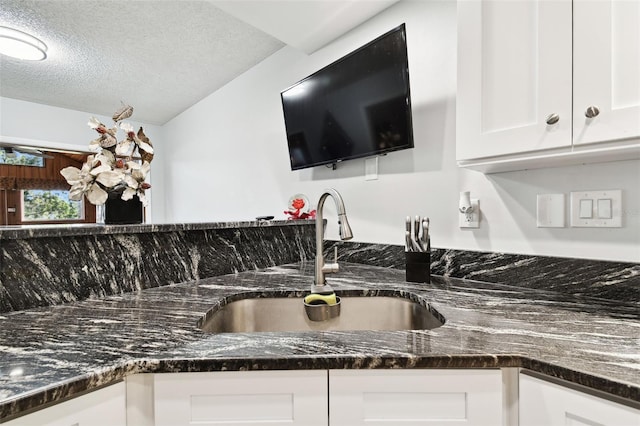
[[471, 220], [550, 211], [371, 168]]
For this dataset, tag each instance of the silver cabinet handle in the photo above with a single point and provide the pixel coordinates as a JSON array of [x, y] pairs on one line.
[[592, 111], [553, 119]]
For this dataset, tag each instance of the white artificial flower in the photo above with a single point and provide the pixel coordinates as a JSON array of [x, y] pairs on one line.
[[97, 195], [140, 173], [131, 181], [105, 157], [124, 147], [134, 180], [103, 173], [71, 174], [94, 145], [76, 193], [79, 179], [83, 181], [128, 194], [102, 168], [94, 123], [109, 178], [143, 198], [126, 127], [107, 137]]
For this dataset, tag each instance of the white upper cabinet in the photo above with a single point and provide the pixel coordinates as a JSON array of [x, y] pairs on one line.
[[606, 75], [529, 70], [512, 74]]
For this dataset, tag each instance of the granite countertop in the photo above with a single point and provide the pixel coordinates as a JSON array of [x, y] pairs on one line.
[[49, 354], [13, 232]]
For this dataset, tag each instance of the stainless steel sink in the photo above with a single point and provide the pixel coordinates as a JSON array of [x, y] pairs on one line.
[[260, 314]]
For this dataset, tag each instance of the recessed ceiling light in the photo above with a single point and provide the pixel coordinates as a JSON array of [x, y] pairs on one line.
[[18, 44]]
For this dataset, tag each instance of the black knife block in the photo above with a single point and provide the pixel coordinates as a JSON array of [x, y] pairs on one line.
[[418, 266]]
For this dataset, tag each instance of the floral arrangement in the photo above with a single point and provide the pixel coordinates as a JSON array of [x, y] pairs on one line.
[[113, 168]]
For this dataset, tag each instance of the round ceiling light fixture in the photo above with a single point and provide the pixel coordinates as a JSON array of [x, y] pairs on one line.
[[21, 45]]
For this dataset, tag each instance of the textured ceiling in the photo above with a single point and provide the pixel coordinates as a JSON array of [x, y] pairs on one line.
[[307, 25], [160, 56]]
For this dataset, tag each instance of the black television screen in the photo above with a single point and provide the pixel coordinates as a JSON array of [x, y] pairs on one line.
[[358, 106]]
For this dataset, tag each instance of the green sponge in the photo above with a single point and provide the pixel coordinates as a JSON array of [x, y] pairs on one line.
[[317, 299]]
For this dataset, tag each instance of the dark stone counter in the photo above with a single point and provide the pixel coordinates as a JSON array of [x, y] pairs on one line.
[[49, 354]]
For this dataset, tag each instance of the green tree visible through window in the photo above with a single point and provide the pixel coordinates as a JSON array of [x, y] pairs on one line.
[[49, 205], [20, 159]]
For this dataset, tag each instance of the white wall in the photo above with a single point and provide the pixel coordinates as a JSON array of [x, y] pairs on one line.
[[226, 157], [231, 162], [46, 126]]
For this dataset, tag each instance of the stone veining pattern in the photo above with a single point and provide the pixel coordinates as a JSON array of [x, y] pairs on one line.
[[129, 317], [43, 266], [578, 277], [51, 353]]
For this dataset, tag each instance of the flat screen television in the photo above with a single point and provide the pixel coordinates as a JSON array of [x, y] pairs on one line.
[[358, 106]]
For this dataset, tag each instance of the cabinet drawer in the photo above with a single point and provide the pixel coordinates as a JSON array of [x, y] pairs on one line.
[[415, 397], [241, 398]]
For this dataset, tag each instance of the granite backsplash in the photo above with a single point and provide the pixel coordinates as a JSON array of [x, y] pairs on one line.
[[48, 266], [615, 281], [44, 266]]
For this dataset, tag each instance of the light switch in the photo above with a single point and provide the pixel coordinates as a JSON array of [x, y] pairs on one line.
[[597, 209], [586, 209], [604, 208]]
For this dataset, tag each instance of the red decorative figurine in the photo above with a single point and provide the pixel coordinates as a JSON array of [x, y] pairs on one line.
[[298, 209]]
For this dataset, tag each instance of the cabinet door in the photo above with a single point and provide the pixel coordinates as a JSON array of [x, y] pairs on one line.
[[104, 407], [549, 404], [514, 70], [415, 397], [236, 398], [606, 70]]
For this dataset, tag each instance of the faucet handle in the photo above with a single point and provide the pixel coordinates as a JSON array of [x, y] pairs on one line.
[[332, 268]]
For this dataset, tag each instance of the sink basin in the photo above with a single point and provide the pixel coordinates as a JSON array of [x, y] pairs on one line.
[[360, 312]]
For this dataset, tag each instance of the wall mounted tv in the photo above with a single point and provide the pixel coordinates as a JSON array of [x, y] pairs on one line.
[[358, 106]]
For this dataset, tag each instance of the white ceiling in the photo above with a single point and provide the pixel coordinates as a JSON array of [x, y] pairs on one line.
[[160, 56]]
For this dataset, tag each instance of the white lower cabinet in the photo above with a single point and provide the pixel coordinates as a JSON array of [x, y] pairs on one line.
[[550, 404], [103, 407], [415, 397], [446, 397], [238, 398], [334, 397]]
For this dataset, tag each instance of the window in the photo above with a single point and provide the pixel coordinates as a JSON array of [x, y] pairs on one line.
[[42, 205], [16, 158]]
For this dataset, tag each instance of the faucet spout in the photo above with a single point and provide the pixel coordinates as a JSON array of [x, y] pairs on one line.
[[320, 284]]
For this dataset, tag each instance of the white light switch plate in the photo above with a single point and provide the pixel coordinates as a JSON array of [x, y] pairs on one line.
[[550, 211], [612, 211], [371, 168]]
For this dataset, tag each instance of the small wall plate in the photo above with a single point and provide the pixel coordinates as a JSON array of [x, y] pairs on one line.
[[605, 206], [471, 220]]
